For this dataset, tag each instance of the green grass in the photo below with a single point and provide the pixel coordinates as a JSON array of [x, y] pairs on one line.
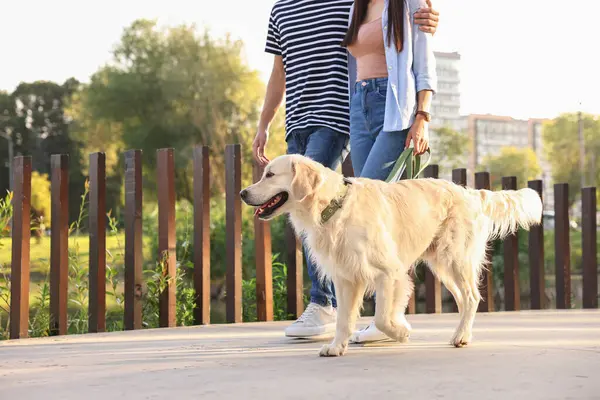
[[40, 253]]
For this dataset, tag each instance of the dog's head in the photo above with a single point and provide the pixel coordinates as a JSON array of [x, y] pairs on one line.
[[286, 181]]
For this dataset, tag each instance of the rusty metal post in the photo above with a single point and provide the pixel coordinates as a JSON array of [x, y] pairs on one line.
[[167, 251], [233, 183], [97, 234], [433, 287], [264, 268], [562, 244], [59, 251], [295, 278], [21, 234], [133, 240], [536, 257], [512, 293], [459, 176], [482, 181], [202, 235], [347, 169], [589, 243]]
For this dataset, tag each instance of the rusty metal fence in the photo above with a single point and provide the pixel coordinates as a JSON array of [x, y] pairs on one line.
[[133, 285]]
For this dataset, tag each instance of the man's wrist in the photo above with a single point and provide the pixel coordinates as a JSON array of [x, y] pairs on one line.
[[263, 127]]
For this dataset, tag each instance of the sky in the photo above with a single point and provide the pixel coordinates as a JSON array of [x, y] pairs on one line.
[[520, 58]]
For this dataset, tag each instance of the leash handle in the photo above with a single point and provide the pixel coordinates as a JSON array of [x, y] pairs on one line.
[[409, 162]]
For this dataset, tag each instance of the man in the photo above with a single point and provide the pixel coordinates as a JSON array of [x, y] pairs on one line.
[[311, 68]]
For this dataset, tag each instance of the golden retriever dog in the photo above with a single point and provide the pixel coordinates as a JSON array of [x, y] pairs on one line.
[[374, 232]]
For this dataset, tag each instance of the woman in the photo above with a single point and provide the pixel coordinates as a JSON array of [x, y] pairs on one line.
[[390, 105]]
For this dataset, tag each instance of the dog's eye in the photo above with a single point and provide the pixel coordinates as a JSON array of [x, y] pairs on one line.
[[269, 174]]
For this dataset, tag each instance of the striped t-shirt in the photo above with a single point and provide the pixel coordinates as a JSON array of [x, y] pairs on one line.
[[307, 34]]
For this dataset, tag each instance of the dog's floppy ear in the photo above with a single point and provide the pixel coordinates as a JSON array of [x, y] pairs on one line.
[[306, 180]]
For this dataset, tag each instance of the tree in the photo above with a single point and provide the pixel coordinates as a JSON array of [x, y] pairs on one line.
[[561, 146], [33, 117], [171, 88], [39, 126], [512, 161], [6, 105], [450, 148]]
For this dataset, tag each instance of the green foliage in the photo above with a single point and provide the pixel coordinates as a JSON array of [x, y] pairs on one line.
[[185, 240], [78, 274], [5, 216], [6, 211], [279, 294], [114, 319], [156, 275], [39, 315], [176, 88], [512, 161], [40, 197], [451, 148], [561, 146], [34, 117], [157, 280], [78, 293]]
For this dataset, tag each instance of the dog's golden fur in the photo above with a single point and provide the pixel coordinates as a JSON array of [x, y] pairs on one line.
[[382, 229]]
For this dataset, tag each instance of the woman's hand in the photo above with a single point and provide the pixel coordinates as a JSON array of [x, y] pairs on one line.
[[419, 134]]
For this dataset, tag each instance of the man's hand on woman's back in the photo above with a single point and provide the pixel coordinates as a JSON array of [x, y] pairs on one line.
[[428, 18]]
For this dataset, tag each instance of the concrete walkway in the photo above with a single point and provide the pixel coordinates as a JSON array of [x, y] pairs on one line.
[[528, 355]]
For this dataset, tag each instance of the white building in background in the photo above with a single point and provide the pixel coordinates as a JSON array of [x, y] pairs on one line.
[[445, 106], [488, 133]]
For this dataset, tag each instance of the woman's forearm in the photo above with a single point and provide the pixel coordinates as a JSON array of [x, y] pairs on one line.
[[424, 100], [423, 66]]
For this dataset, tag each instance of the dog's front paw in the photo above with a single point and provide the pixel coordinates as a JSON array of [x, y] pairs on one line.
[[333, 350]]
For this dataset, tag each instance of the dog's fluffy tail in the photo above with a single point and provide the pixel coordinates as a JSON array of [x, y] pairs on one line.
[[511, 209]]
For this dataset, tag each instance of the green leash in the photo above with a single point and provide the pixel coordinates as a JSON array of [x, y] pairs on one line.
[[409, 162]]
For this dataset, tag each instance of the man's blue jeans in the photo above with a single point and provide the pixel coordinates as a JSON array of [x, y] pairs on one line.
[[374, 151], [325, 146]]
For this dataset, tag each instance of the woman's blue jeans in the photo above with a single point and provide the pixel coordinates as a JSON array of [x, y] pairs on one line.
[[374, 151]]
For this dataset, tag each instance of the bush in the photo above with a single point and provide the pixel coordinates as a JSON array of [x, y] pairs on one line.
[[279, 294], [185, 258]]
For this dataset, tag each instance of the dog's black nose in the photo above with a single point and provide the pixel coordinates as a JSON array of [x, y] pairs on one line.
[[244, 194]]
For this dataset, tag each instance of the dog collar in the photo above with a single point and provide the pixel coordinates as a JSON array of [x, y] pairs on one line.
[[335, 204]]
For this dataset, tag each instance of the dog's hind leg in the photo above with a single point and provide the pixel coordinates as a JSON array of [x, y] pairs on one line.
[[455, 292], [447, 276], [466, 280], [349, 296], [385, 306]]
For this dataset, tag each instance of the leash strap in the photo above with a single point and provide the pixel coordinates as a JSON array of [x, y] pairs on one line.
[[407, 161], [410, 163]]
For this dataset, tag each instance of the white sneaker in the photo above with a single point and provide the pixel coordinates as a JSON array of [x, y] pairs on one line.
[[371, 334], [316, 320]]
